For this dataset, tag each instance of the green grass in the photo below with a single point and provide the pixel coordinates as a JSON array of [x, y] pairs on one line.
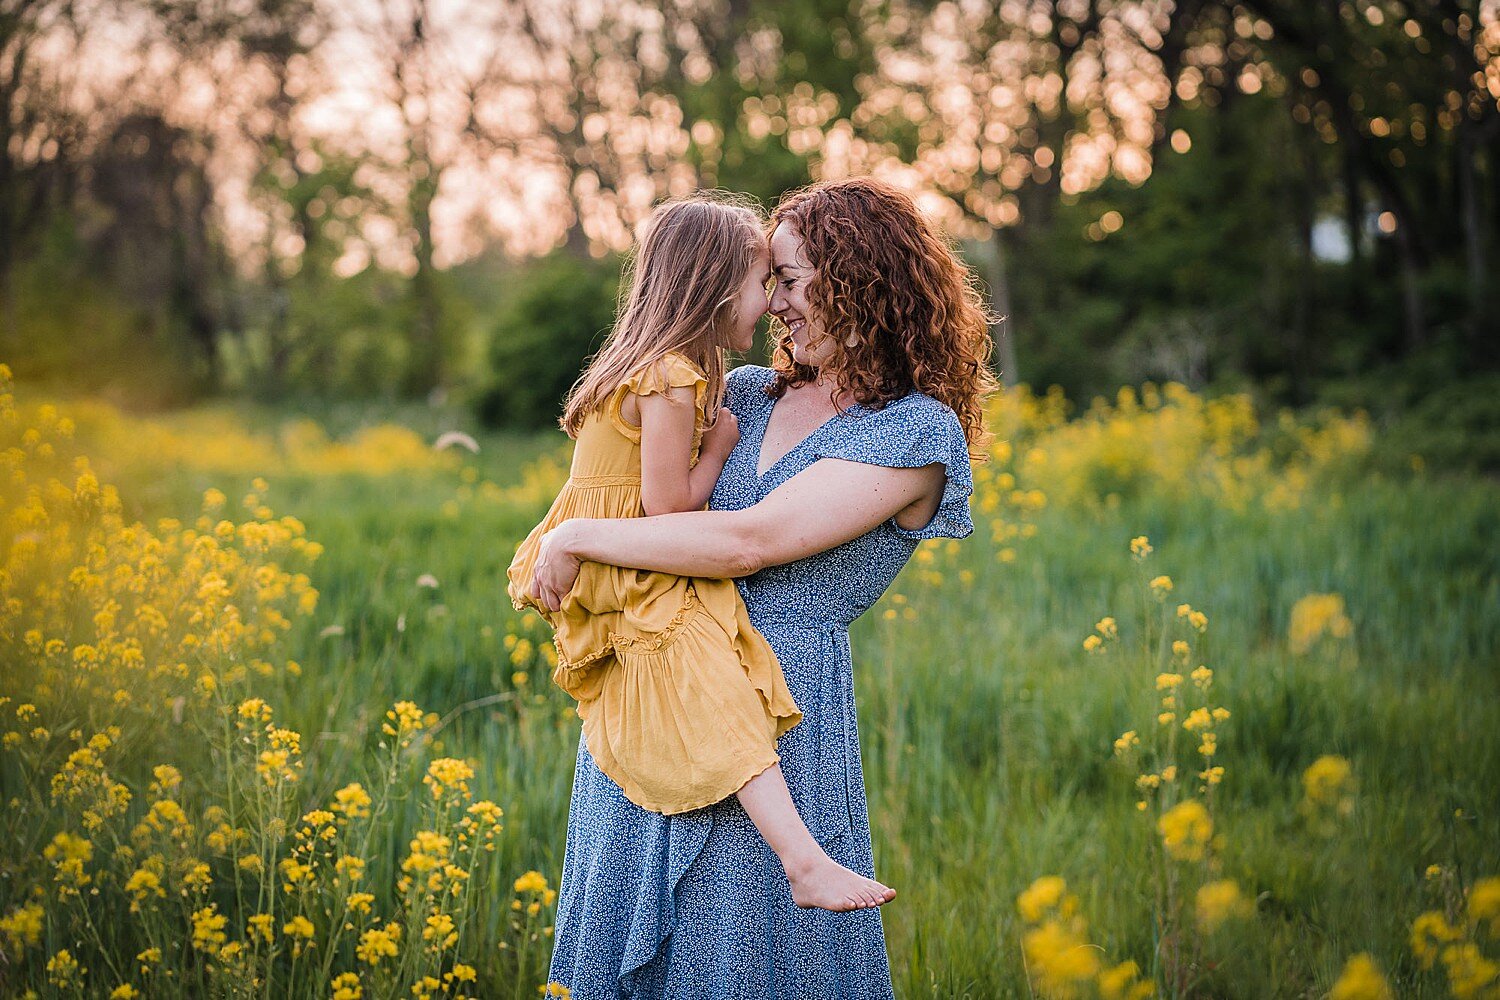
[[986, 730]]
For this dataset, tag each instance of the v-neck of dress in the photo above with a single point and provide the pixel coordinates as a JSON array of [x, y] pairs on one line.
[[760, 444]]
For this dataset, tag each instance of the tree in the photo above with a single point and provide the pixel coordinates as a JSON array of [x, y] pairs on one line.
[[40, 133]]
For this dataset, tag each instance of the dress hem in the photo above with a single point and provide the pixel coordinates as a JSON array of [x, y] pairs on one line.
[[633, 790]]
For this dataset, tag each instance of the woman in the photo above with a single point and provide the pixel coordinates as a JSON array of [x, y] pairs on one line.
[[853, 448]]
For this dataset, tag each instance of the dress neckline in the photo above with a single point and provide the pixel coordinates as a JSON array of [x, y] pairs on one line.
[[766, 424]]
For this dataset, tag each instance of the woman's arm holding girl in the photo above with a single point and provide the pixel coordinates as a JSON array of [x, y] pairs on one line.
[[825, 505]]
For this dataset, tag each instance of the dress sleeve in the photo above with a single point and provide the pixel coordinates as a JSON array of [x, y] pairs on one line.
[[670, 371], [742, 385], [906, 435]]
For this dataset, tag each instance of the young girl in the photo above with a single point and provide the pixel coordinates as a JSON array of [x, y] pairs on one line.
[[682, 700]]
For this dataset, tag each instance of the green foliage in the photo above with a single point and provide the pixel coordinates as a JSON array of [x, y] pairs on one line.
[[559, 311], [79, 332]]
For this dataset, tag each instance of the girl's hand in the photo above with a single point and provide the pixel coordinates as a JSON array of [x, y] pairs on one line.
[[556, 568], [721, 438]]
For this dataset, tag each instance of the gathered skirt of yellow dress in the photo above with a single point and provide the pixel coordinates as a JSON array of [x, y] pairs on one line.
[[682, 700]]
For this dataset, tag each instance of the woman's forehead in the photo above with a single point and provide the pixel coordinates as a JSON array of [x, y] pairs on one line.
[[786, 247]]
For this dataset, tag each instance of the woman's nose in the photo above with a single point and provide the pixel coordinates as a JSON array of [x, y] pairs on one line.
[[776, 304]]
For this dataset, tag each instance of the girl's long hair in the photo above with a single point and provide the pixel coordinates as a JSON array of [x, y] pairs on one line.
[[902, 310], [678, 294]]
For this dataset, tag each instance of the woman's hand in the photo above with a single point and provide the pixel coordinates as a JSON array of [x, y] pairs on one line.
[[720, 439], [556, 567]]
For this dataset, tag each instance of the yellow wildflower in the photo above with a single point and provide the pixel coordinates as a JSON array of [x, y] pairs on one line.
[[1122, 983], [440, 931], [532, 881], [69, 854], [1430, 931], [22, 927], [1484, 906], [1058, 958], [1328, 783], [208, 928], [1218, 902], [63, 970], [352, 800], [448, 776], [1316, 616], [1185, 830], [167, 780], [378, 944], [405, 720], [1361, 980], [1198, 719], [197, 876], [261, 925], [145, 882], [1471, 975]]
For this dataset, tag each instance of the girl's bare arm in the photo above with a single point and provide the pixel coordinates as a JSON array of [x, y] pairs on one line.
[[825, 505], [667, 484]]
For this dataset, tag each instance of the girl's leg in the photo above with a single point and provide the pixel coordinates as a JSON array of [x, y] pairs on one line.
[[816, 879]]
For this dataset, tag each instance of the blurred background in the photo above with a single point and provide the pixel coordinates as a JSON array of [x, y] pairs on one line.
[[426, 199], [259, 257]]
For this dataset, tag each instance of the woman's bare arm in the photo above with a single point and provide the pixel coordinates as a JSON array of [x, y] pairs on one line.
[[825, 505]]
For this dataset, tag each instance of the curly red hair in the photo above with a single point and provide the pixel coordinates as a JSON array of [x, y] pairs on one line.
[[887, 282]]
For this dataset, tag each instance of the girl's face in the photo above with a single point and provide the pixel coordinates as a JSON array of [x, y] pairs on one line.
[[750, 303], [810, 345]]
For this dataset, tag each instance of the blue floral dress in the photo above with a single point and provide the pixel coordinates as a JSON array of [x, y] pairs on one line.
[[696, 904]]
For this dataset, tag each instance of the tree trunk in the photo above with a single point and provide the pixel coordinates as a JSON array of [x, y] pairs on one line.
[[992, 258], [426, 370], [1354, 211], [1302, 296], [1468, 200]]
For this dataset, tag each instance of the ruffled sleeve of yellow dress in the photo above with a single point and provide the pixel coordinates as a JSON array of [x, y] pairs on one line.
[[671, 371]]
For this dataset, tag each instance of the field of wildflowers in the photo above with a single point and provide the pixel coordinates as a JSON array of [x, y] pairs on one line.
[[1206, 707]]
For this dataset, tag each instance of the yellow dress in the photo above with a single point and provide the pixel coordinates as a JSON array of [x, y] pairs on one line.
[[682, 700]]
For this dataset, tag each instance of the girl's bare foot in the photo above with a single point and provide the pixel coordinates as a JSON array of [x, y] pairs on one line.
[[825, 884]]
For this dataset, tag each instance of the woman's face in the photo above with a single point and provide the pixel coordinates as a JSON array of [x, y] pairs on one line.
[[750, 303], [810, 346]]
